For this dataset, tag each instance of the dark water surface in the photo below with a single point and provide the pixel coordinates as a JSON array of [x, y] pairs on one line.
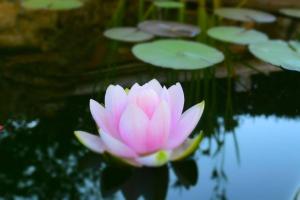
[[251, 149]]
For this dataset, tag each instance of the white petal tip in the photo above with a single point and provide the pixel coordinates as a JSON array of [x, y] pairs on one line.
[[178, 84], [90, 141], [93, 103], [201, 104]]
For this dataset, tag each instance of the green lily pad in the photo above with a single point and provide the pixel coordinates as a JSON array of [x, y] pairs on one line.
[[169, 29], [51, 4], [169, 4], [279, 53], [178, 54], [245, 15], [237, 35], [291, 12], [127, 34]]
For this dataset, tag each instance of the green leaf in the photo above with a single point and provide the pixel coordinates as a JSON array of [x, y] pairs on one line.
[[169, 4], [127, 34], [237, 35], [178, 54], [245, 15], [51, 4], [169, 29], [291, 12], [279, 53]]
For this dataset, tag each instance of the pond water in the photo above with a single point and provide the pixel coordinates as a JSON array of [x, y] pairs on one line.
[[251, 125], [255, 156]]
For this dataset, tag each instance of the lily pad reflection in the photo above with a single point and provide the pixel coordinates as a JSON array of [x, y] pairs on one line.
[[51, 4], [245, 15], [169, 29], [178, 54], [279, 53], [127, 34], [237, 35]]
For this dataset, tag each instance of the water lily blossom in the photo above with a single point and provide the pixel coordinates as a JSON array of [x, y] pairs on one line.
[[144, 126]]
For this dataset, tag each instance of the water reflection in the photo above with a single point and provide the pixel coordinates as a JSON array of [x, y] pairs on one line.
[[149, 183], [146, 182], [297, 195], [40, 157]]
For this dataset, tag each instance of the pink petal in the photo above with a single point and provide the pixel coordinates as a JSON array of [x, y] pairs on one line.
[[133, 93], [116, 147], [133, 128], [91, 141], [176, 102], [154, 85], [148, 100], [186, 125], [159, 127], [114, 98], [98, 113], [164, 95], [115, 102]]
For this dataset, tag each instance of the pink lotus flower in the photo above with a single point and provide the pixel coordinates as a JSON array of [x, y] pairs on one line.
[[144, 126]]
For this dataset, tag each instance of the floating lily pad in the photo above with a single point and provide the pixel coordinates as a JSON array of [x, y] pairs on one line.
[[236, 35], [168, 4], [169, 29], [279, 53], [245, 15], [291, 12], [52, 4], [127, 34], [178, 54]]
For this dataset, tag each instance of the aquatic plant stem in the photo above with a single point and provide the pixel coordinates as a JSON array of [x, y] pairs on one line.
[[228, 62], [141, 10], [237, 147], [202, 18], [229, 111], [181, 16], [118, 15], [242, 3], [211, 100], [229, 105], [148, 12], [216, 4], [229, 120]]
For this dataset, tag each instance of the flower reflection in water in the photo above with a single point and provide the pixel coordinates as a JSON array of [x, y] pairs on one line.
[[149, 183]]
